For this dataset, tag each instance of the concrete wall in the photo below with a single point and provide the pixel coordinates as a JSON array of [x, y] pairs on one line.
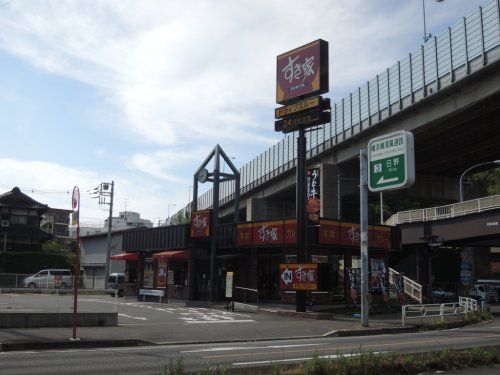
[[40, 320]]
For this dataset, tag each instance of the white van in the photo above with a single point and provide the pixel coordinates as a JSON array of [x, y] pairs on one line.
[[50, 278]]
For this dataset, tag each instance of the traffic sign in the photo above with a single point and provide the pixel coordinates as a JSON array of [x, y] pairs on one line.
[[391, 161]]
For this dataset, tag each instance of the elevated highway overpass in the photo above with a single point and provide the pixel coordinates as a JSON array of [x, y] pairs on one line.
[[447, 93]]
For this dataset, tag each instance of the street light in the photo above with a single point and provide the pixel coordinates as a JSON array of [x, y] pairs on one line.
[[427, 36], [168, 211], [468, 170]]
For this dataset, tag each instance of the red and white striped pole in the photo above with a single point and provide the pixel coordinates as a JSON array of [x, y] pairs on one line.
[[75, 204]]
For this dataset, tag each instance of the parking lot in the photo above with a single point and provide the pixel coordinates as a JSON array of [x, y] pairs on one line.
[[130, 311], [160, 322]]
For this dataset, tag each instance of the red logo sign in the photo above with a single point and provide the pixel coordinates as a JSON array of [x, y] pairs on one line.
[[244, 235], [200, 223], [290, 229], [380, 237], [268, 233], [299, 276], [302, 72], [329, 232], [350, 234]]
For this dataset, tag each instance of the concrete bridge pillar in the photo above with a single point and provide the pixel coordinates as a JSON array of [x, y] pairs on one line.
[[262, 209]]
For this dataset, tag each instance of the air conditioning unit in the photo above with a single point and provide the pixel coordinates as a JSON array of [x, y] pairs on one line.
[[5, 223]]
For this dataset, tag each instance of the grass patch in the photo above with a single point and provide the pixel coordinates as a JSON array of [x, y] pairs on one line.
[[366, 363], [381, 364], [363, 363], [472, 317]]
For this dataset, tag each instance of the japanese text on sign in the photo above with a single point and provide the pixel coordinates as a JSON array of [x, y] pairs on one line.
[[294, 276]]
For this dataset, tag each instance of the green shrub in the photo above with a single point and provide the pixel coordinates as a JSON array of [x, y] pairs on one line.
[[316, 365], [31, 262], [208, 370], [174, 367]]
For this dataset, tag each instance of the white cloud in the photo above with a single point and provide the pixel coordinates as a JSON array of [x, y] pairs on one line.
[[52, 184], [183, 73], [176, 75]]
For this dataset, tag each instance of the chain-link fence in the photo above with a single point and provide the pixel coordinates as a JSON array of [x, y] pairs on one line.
[[50, 282]]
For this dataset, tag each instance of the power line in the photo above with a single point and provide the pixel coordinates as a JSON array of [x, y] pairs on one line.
[[39, 191], [6, 3]]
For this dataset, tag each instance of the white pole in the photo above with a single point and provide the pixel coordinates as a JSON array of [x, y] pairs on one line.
[[381, 208]]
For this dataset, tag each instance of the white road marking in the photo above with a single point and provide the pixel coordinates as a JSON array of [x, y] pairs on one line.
[[225, 348], [272, 361], [133, 317], [221, 321]]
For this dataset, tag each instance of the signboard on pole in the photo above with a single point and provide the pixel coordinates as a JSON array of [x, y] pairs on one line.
[[299, 276], [391, 161], [229, 284], [302, 72], [200, 223], [313, 196]]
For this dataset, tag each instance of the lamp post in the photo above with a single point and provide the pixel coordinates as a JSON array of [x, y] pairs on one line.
[[427, 36], [468, 170]]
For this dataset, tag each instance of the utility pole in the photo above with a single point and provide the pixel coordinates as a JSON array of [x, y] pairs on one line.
[[110, 226], [102, 191]]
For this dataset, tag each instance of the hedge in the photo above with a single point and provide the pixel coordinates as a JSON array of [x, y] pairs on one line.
[[31, 262]]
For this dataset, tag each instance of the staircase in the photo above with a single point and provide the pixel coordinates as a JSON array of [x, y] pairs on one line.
[[412, 288]]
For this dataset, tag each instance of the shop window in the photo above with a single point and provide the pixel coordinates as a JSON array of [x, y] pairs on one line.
[[177, 272], [148, 279]]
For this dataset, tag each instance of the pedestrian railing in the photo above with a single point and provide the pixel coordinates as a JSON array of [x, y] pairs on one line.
[[440, 311], [411, 287], [446, 212], [247, 291], [469, 304]]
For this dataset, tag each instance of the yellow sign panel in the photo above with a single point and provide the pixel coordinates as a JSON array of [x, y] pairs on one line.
[[297, 107]]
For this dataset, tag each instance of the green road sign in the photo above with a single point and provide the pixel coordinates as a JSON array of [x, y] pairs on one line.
[[391, 161]]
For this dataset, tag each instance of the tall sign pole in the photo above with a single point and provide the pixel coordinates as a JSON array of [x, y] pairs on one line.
[[389, 164], [363, 204], [300, 299], [75, 204], [301, 76]]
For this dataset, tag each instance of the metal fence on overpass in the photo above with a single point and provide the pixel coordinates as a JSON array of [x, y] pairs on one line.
[[446, 212], [462, 49]]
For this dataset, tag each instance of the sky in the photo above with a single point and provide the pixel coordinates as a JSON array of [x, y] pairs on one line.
[[140, 92]]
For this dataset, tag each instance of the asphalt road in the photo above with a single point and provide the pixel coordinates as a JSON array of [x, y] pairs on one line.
[[152, 359]]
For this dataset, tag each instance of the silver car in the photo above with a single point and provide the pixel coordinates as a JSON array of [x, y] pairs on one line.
[[50, 279]]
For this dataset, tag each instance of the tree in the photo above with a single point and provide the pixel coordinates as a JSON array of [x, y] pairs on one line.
[[487, 182]]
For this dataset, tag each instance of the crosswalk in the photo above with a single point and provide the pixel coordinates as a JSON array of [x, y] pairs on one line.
[[145, 311]]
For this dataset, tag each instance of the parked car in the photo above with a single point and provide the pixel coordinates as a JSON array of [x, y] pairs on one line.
[[50, 278], [116, 283], [483, 293], [442, 294]]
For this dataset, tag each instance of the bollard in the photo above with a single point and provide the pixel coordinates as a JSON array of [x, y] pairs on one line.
[[57, 301], [116, 295]]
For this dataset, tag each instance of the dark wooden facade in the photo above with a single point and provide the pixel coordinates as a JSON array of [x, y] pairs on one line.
[[20, 218]]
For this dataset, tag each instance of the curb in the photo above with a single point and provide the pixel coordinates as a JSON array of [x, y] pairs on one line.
[[376, 331], [91, 344], [77, 344]]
